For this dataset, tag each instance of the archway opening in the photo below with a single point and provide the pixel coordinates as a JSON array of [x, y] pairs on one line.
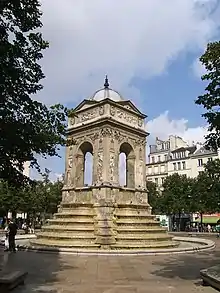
[[122, 169], [88, 168], [84, 165], [127, 165]]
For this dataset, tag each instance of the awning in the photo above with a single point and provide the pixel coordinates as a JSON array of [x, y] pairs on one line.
[[208, 220]]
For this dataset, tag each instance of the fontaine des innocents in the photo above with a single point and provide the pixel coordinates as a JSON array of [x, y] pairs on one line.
[[105, 215]]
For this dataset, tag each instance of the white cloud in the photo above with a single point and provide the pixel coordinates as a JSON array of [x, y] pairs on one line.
[[123, 38], [198, 68], [163, 126]]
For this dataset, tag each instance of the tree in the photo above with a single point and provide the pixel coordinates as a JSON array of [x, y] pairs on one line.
[[28, 127], [153, 197], [211, 99], [177, 191]]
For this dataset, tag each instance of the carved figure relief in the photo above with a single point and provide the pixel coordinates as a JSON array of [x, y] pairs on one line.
[[100, 167], [68, 178], [112, 166], [112, 110], [72, 121], [88, 115], [140, 122], [70, 163], [127, 117], [101, 110], [66, 196], [140, 171]]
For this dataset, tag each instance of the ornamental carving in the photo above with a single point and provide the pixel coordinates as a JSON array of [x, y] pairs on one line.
[[112, 166], [70, 163], [112, 110], [94, 136], [88, 115], [100, 167], [106, 132], [101, 110], [140, 141], [127, 117], [72, 121], [140, 122]]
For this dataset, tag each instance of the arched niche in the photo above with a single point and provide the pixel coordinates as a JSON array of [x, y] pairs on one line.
[[128, 151], [84, 164]]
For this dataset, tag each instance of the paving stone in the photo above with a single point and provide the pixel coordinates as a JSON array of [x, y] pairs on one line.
[[56, 273]]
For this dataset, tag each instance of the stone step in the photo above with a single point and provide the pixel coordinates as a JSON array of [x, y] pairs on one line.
[[66, 235], [72, 215], [62, 243], [73, 222], [77, 212], [137, 216], [136, 213], [139, 246], [59, 228], [134, 230], [76, 205], [152, 237], [139, 221]]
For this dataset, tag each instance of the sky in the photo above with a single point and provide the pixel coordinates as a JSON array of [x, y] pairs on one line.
[[149, 49]]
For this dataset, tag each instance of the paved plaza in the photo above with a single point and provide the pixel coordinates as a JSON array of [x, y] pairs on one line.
[[113, 274]]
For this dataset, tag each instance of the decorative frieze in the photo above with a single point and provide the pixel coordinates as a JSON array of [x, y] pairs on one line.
[[100, 167], [112, 166]]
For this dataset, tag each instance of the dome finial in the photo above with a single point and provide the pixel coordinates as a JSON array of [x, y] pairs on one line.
[[106, 84]]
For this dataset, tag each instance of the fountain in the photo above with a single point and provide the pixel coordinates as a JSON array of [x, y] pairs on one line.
[[105, 215]]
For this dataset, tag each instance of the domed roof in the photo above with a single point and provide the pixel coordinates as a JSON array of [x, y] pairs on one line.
[[106, 93]]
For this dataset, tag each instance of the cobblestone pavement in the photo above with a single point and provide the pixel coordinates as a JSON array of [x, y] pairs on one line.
[[111, 274]]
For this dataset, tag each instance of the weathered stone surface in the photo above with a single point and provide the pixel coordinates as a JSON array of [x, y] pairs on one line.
[[211, 276], [105, 214]]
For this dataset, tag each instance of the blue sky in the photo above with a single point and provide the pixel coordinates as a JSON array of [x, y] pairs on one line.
[[149, 49]]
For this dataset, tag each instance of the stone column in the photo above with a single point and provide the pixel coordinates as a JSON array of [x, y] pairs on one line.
[[79, 168], [130, 171]]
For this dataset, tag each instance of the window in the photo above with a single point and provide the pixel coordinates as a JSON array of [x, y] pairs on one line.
[[209, 159], [156, 181], [162, 180], [184, 165], [165, 157], [152, 159], [179, 166], [158, 158], [200, 163], [174, 166]]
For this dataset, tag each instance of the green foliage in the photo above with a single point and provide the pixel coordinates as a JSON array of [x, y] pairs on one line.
[[176, 195], [211, 99], [153, 197], [42, 197], [206, 194], [28, 127]]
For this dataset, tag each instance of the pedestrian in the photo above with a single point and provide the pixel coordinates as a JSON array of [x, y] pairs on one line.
[[12, 227], [6, 248]]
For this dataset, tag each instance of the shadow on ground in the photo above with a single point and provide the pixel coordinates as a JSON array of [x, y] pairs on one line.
[[42, 270], [186, 266]]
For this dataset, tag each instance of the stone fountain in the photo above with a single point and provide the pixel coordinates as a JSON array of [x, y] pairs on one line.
[[105, 215]]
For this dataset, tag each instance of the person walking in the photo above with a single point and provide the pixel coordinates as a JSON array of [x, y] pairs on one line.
[[6, 237], [12, 227]]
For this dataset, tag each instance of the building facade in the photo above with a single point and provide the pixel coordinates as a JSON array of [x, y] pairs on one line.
[[176, 156]]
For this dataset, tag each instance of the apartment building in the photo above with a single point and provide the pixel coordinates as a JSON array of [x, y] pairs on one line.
[[176, 156]]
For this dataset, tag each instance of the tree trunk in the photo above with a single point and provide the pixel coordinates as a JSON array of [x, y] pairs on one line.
[[201, 222], [179, 221]]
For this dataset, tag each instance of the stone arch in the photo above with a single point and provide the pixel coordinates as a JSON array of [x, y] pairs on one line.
[[85, 148], [128, 150]]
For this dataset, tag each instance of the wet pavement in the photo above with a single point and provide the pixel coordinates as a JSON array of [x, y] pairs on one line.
[[57, 273]]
